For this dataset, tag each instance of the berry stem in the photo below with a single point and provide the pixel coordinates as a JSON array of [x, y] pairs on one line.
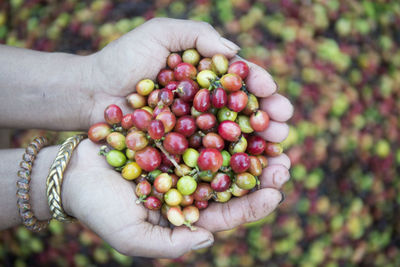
[[160, 146], [103, 150], [191, 227]]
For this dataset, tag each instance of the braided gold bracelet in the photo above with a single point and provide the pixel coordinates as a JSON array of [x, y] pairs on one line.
[[24, 173], [56, 175]]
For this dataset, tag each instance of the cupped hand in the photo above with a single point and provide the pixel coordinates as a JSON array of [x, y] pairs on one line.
[[101, 199]]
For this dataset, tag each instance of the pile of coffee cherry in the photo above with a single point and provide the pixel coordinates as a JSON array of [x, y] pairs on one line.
[[190, 138]]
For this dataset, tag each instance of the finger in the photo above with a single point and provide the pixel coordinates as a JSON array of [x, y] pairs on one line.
[[249, 208], [276, 132], [162, 242], [282, 159], [274, 176], [177, 35], [278, 107], [259, 82]]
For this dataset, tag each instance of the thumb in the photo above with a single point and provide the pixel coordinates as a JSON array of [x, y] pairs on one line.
[[177, 35], [163, 242]]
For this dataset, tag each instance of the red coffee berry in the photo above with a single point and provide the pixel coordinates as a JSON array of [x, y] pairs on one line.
[[113, 114]]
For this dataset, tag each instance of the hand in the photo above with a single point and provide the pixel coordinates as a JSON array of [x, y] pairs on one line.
[[101, 199]]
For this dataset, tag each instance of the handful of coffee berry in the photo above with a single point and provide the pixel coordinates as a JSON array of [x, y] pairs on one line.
[[190, 138]]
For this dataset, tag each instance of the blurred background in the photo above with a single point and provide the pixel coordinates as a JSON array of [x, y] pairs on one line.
[[337, 61]]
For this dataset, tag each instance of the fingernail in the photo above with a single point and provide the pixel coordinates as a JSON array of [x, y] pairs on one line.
[[276, 86], [283, 197], [231, 45], [203, 244]]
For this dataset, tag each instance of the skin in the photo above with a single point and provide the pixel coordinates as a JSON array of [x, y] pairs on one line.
[[68, 92]]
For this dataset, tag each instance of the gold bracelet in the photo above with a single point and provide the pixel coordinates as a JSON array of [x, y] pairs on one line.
[[56, 175], [24, 173]]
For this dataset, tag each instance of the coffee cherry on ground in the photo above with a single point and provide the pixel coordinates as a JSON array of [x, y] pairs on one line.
[[186, 185], [221, 182], [229, 130], [143, 189], [223, 196], [226, 158], [205, 78], [165, 76], [191, 214], [187, 89], [273, 149], [191, 56], [166, 97], [136, 140], [158, 109], [240, 68], [144, 87], [185, 125], [168, 120], [240, 162], [190, 157], [244, 124], [237, 101], [167, 162], [213, 140], [180, 107], [201, 101], [115, 158], [205, 64], [183, 170], [251, 106], [201, 205], [163, 182], [187, 200], [175, 143], [245, 181], [259, 121], [173, 197], [220, 62], [136, 101], [206, 121], [225, 114], [156, 129], [185, 71], [148, 158], [237, 191], [203, 192], [141, 119], [256, 145], [263, 160], [231, 82], [210, 159], [255, 166], [113, 114], [131, 171], [130, 154], [173, 60], [153, 98], [98, 132], [195, 140], [152, 203], [175, 216]]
